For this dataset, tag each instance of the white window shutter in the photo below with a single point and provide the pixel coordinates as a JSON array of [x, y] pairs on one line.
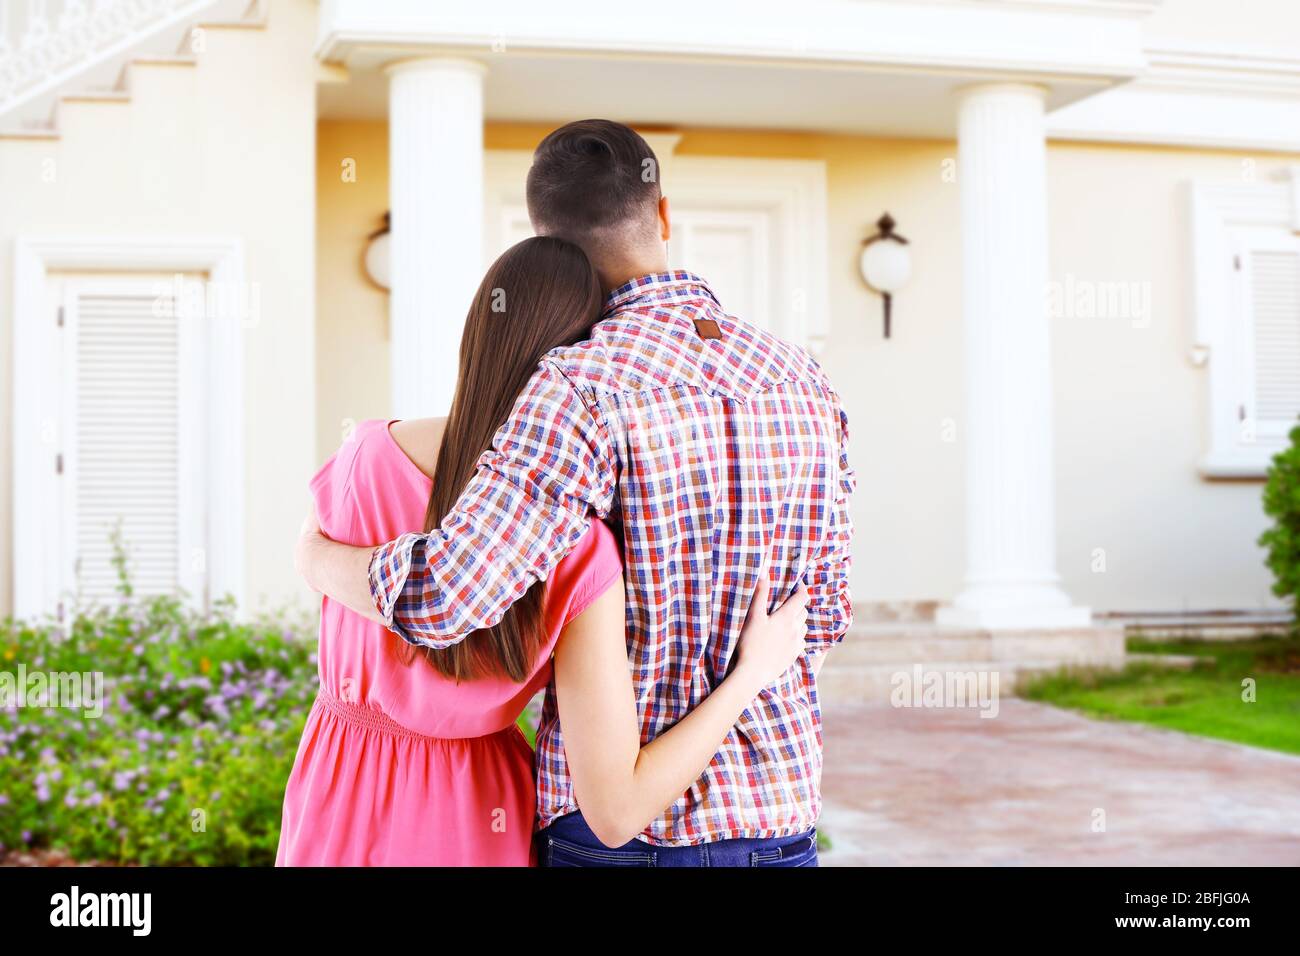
[[1274, 303], [124, 408], [1246, 305]]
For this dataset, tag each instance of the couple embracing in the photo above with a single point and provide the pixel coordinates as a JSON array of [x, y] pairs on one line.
[[637, 502]]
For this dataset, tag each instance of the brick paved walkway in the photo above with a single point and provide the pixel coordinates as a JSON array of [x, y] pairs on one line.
[[947, 787]]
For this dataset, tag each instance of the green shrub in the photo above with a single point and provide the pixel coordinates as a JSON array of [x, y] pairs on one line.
[[187, 765], [1282, 504]]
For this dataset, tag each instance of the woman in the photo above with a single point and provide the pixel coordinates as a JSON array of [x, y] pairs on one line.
[[412, 756]]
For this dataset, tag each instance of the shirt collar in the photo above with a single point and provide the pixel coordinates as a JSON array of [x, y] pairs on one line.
[[659, 287]]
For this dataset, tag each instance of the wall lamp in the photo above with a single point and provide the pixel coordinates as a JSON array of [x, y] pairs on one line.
[[886, 263], [378, 254]]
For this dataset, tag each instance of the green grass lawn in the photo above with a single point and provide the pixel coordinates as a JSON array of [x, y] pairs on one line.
[[1209, 700]]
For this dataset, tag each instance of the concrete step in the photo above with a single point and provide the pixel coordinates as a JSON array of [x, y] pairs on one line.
[[917, 642], [841, 683], [1087, 645], [874, 658], [1225, 625], [1222, 624], [900, 645], [845, 682]]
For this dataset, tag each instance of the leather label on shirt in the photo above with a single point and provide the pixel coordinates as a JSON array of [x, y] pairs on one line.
[[708, 329]]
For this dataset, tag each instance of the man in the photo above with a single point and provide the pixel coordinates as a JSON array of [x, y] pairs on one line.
[[711, 443]]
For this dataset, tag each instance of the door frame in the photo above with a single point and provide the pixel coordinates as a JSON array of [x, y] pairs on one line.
[[37, 374]]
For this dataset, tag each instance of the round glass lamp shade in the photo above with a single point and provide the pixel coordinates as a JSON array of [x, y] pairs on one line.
[[886, 265], [377, 260]]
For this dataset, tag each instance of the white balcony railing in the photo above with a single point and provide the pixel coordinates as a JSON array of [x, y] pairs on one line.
[[44, 43]]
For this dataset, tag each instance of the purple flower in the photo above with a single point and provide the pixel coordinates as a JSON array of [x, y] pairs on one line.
[[4, 799]]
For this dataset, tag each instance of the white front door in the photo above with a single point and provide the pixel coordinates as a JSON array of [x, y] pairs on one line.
[[755, 229], [730, 248]]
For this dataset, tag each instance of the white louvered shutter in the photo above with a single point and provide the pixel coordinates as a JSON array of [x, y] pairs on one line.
[[1274, 303], [125, 403]]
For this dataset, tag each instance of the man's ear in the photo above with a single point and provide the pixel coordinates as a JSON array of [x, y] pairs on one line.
[[665, 221]]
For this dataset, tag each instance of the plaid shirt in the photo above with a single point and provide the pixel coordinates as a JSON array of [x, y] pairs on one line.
[[707, 452]]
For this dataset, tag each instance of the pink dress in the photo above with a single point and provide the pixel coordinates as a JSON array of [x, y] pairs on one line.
[[399, 766]]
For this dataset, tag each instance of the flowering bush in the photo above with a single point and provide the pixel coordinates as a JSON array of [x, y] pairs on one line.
[[201, 718]]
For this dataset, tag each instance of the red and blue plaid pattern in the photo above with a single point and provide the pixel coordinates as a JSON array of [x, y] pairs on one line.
[[706, 453]]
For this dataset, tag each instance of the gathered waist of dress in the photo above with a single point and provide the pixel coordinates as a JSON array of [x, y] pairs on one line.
[[367, 718]]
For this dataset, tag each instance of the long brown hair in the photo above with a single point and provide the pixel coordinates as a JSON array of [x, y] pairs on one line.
[[540, 294]]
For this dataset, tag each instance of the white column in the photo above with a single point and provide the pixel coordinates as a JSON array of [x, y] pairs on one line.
[[435, 137], [1011, 578]]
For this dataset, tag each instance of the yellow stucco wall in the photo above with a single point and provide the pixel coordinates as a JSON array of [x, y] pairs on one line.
[[1129, 408]]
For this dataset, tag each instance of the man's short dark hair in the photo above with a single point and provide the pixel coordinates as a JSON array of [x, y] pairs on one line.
[[592, 181]]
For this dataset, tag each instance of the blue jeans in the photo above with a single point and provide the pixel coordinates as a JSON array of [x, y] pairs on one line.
[[569, 842]]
